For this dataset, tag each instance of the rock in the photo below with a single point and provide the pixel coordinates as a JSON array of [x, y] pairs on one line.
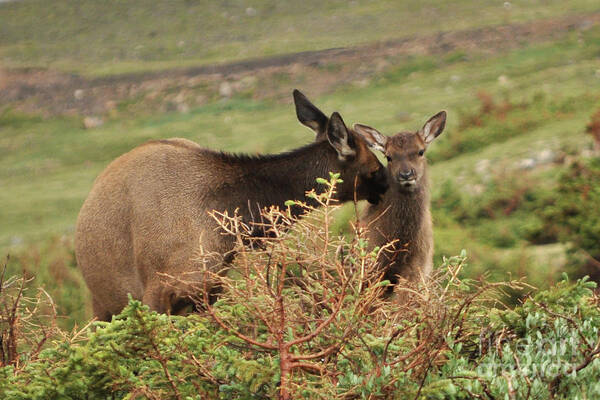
[[194, 81], [362, 83], [180, 98], [225, 89], [92, 122], [251, 12], [153, 95], [78, 94], [586, 25], [476, 189], [183, 108], [527, 163], [247, 82], [483, 166], [16, 241], [590, 153], [546, 156], [296, 69], [110, 105], [200, 100], [503, 80]]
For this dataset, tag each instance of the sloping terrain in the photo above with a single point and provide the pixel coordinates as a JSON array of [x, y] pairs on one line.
[[52, 92], [518, 96]]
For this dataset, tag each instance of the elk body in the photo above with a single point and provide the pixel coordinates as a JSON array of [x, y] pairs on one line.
[[403, 216], [148, 212]]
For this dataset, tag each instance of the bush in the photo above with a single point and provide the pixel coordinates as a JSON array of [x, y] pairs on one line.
[[575, 213], [303, 317], [504, 211], [593, 128], [51, 265], [27, 323]]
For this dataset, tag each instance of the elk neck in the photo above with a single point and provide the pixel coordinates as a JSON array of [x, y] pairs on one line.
[[403, 213], [286, 176]]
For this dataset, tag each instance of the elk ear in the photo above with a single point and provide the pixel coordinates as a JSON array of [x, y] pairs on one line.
[[309, 115], [372, 136], [433, 127], [339, 137]]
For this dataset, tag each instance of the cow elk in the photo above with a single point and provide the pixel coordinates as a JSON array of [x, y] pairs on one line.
[[148, 212], [403, 216]]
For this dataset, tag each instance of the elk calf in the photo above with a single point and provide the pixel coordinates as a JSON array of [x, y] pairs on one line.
[[148, 212], [404, 216]]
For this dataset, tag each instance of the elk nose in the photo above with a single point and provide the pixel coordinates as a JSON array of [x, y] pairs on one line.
[[406, 175]]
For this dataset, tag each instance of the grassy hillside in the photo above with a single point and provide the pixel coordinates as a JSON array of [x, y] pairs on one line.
[[505, 109], [48, 165], [103, 38]]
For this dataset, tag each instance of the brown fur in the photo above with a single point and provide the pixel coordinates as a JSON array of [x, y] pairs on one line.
[[404, 215], [148, 212]]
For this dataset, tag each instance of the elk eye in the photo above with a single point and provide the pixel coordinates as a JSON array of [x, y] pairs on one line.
[[388, 158], [421, 152]]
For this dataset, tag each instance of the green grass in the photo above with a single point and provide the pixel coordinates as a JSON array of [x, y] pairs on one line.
[[48, 165], [108, 37]]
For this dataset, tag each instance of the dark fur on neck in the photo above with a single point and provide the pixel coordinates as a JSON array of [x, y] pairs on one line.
[[282, 177]]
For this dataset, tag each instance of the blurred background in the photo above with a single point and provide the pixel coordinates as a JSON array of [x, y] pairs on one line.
[[515, 177]]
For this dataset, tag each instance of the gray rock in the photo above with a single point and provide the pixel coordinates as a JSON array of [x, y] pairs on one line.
[[225, 89], [92, 122]]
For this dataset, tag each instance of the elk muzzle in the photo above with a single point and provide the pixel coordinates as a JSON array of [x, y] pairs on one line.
[[407, 179]]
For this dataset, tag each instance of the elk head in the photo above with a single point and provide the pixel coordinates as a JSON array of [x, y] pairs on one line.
[[405, 151], [361, 171]]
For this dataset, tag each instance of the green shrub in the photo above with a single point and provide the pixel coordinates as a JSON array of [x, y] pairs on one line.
[[574, 213], [304, 318], [457, 348]]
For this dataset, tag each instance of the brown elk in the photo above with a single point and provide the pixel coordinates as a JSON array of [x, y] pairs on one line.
[[403, 216], [148, 212]]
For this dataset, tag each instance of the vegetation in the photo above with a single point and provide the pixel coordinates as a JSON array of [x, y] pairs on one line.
[[492, 172], [49, 164], [116, 37], [573, 215], [305, 319], [515, 180]]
